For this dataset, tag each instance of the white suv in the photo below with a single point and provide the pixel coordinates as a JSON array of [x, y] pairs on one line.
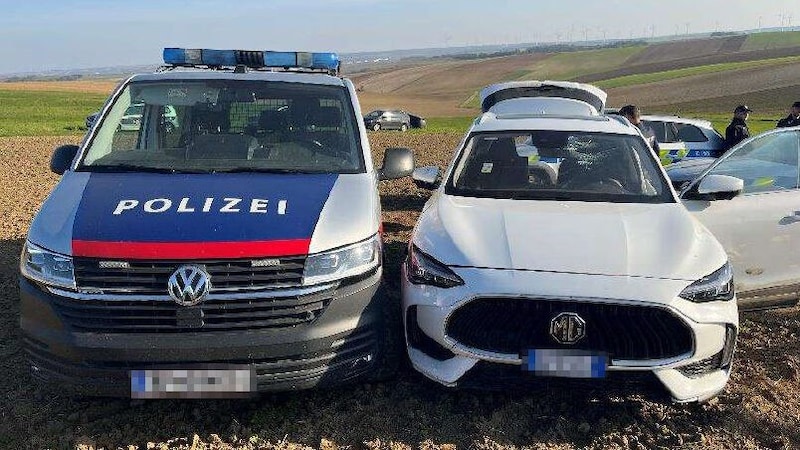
[[589, 268]]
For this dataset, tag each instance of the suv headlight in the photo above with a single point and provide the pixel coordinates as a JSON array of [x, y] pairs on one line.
[[46, 267], [423, 269], [715, 287], [344, 262]]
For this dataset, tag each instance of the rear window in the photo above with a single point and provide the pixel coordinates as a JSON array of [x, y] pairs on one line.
[[227, 126], [559, 165]]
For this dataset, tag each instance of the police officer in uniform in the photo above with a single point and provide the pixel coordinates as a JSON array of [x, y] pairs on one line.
[[793, 119], [737, 131]]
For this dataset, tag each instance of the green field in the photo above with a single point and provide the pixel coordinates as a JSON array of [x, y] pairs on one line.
[[566, 66], [446, 124], [42, 113], [632, 80], [777, 39]]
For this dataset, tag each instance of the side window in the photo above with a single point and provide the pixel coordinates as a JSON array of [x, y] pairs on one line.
[[127, 135], [670, 133], [690, 133], [170, 129], [766, 164], [657, 128]]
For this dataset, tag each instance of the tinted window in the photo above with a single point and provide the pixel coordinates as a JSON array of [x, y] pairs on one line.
[[663, 131], [557, 165], [690, 133], [224, 125], [768, 163]]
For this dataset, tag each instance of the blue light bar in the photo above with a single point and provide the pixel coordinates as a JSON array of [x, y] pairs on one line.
[[256, 59]]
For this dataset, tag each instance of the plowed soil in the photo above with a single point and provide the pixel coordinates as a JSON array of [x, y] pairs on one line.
[[759, 409], [733, 84], [663, 66], [671, 51]]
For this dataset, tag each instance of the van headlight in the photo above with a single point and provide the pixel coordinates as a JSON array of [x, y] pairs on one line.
[[344, 262], [715, 287], [46, 267]]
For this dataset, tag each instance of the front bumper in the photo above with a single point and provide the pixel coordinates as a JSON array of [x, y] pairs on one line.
[[343, 343], [440, 357]]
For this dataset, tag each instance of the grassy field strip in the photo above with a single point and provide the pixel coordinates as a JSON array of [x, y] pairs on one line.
[[566, 66], [762, 41], [42, 113], [645, 78]]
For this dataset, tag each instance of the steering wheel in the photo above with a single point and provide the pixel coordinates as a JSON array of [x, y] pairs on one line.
[[309, 143], [607, 186]]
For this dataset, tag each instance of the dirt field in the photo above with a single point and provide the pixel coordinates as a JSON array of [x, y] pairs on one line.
[[760, 408], [633, 69], [672, 51], [85, 86], [709, 86]]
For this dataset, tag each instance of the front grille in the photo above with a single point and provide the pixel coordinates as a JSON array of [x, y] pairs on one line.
[[159, 316], [625, 332], [150, 277]]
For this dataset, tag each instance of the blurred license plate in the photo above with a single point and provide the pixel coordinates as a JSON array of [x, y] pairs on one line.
[[201, 382], [565, 363]]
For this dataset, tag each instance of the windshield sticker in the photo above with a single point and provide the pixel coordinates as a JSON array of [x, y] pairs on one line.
[[487, 168]]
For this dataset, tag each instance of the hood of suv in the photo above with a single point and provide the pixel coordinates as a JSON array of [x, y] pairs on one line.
[[640, 240]]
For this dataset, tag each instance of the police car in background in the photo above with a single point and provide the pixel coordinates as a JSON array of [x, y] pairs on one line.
[[588, 268], [680, 138], [238, 251]]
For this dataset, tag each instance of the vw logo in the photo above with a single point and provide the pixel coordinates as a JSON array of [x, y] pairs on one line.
[[189, 285], [567, 328]]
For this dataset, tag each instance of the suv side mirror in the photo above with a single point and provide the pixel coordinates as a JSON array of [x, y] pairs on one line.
[[718, 187], [426, 177], [397, 163], [62, 158]]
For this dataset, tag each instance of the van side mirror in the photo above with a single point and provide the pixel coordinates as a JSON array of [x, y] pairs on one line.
[[397, 163], [426, 177], [62, 158]]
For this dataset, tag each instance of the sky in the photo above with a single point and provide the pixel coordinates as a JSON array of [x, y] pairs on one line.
[[46, 34]]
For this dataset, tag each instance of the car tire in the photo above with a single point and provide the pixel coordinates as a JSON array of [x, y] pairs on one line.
[[376, 127], [403, 128]]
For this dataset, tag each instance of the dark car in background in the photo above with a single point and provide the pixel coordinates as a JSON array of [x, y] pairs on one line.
[[393, 119], [387, 120]]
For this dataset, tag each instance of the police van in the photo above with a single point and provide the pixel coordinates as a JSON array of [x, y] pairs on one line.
[[229, 242]]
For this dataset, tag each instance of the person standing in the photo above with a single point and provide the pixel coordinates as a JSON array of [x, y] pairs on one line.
[[737, 131], [793, 119], [634, 116]]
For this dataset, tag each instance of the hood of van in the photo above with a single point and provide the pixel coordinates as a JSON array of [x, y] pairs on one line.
[[202, 216]]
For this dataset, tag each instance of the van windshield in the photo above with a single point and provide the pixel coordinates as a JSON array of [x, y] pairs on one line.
[[227, 126], [559, 165]]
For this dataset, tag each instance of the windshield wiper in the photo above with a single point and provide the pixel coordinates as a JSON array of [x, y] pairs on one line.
[[134, 168], [262, 170]]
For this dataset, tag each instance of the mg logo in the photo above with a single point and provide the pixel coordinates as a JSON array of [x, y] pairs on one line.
[[567, 328], [189, 285]]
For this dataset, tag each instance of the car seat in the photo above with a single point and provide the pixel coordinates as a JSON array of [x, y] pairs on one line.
[[496, 165]]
